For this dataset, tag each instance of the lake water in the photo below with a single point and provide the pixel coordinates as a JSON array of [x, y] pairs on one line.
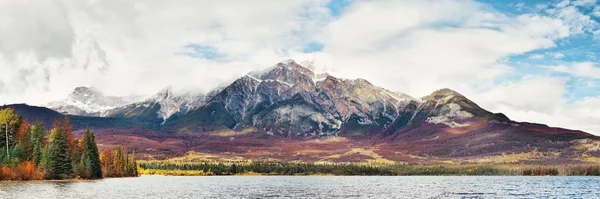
[[310, 187]]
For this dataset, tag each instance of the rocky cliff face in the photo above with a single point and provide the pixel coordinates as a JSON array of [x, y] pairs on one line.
[[292, 100], [289, 99]]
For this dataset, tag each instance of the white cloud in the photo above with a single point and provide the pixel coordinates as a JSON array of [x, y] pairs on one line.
[[541, 100], [596, 11], [582, 69], [50, 47], [558, 55], [418, 53], [584, 2], [525, 94], [536, 56], [577, 21], [412, 46], [563, 4]]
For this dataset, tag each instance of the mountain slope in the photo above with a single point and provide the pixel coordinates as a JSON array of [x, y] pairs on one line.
[[290, 112], [159, 107], [47, 116], [87, 101], [289, 92]]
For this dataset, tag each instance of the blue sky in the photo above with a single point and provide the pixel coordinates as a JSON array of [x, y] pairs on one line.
[[336, 7], [576, 48]]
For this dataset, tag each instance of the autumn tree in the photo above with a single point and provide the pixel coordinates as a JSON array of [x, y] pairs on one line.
[[119, 161], [106, 159], [68, 128], [24, 143], [131, 165], [29, 155], [7, 120]]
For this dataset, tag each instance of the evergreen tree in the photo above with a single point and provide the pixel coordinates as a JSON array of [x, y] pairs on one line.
[[24, 144], [68, 128], [59, 160], [90, 159], [37, 134], [76, 155]]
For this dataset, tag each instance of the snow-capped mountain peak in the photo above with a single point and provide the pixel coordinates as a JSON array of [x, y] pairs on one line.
[[164, 93], [162, 105], [88, 101]]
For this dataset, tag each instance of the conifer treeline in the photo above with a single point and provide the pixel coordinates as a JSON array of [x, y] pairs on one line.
[[271, 168], [28, 153], [283, 168]]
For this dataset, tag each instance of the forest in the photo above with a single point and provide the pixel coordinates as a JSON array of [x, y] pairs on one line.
[[286, 168], [29, 152]]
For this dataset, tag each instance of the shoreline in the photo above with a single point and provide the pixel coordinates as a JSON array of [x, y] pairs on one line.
[[267, 175], [67, 180]]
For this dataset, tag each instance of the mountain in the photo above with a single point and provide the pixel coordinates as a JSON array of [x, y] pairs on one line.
[[88, 101], [292, 100], [290, 112], [159, 107], [47, 117]]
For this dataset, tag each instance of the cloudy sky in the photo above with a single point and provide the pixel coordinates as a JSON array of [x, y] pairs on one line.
[[534, 61]]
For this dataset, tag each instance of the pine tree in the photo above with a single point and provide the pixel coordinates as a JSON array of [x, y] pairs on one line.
[[59, 160], [90, 160], [77, 153], [37, 134]]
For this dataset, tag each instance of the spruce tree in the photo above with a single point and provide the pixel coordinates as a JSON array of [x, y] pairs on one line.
[[59, 160], [90, 159], [37, 135]]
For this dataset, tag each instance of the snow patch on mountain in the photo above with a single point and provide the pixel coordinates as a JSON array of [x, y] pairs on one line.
[[171, 104], [253, 77], [450, 112]]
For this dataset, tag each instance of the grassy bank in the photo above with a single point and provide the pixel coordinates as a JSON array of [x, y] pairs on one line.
[[282, 168]]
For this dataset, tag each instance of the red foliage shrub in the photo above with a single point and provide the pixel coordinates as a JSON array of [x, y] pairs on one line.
[[7, 174]]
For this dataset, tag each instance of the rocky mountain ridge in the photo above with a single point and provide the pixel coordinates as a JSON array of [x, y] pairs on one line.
[[288, 99], [290, 112]]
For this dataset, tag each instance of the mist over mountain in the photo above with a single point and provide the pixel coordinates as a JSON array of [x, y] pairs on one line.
[[88, 101]]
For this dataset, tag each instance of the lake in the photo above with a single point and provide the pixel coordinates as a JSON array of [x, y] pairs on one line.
[[310, 187]]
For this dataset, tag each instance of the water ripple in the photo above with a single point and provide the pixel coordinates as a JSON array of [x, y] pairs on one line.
[[310, 187]]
